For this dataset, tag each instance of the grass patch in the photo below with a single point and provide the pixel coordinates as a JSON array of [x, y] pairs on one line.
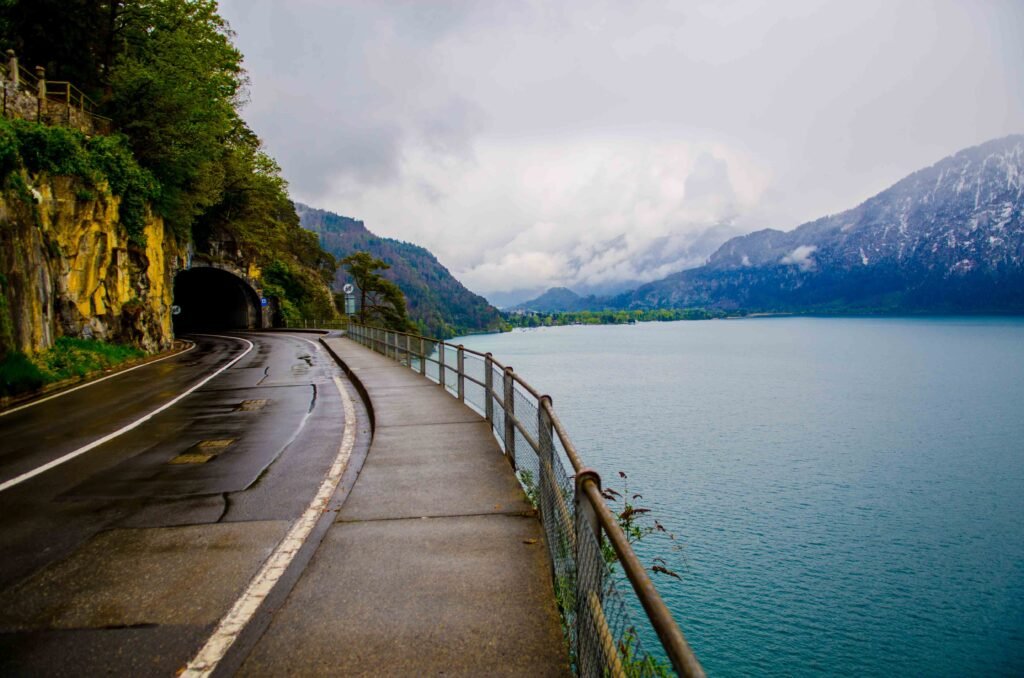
[[18, 374], [68, 358]]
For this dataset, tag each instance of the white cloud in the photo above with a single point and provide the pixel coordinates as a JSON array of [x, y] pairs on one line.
[[581, 213], [801, 257], [606, 138]]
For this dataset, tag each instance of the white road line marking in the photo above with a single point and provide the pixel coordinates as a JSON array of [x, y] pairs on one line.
[[232, 624], [110, 436], [95, 381], [292, 336]]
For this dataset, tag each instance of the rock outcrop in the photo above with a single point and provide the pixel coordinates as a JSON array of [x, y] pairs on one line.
[[69, 268]]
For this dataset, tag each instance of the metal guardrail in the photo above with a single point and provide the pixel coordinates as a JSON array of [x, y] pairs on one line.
[[317, 324], [602, 639]]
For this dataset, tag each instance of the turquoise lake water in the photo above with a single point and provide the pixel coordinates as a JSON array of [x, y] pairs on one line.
[[848, 493]]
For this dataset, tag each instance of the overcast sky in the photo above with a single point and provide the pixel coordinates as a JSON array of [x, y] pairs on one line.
[[586, 143]]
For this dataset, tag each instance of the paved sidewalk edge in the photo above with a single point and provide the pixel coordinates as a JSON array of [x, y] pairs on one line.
[[356, 381]]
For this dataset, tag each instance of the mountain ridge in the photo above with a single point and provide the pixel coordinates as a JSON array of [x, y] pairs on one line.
[[945, 238], [439, 304]]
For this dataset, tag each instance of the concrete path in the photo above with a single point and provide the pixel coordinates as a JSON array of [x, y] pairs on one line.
[[435, 564]]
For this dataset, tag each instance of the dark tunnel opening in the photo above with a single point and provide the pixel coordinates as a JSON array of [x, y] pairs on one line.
[[212, 299]]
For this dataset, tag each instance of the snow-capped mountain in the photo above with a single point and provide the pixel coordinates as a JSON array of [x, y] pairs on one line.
[[946, 238]]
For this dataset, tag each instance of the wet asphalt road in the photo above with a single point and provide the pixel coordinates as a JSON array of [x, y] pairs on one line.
[[121, 560]]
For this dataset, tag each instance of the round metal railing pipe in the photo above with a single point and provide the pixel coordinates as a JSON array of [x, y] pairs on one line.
[[672, 638]]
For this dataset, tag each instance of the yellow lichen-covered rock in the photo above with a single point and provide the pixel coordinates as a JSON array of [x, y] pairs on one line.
[[69, 268], [159, 273]]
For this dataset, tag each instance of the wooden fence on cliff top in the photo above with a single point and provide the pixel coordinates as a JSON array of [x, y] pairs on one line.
[[30, 96]]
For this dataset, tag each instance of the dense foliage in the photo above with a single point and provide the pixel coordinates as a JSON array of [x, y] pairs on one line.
[[105, 164], [168, 75], [439, 305]]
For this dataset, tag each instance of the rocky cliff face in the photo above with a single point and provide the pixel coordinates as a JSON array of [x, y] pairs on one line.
[[70, 269]]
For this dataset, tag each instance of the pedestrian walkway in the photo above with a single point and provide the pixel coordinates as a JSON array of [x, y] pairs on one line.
[[436, 562]]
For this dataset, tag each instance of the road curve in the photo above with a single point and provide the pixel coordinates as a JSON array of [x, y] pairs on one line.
[[40, 433], [125, 557]]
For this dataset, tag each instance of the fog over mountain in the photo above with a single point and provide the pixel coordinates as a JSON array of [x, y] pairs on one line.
[[947, 238], [597, 145]]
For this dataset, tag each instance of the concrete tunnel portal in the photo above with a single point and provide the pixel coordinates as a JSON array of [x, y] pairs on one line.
[[213, 299]]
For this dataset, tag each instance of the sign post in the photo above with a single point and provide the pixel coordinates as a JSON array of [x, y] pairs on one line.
[[350, 299]]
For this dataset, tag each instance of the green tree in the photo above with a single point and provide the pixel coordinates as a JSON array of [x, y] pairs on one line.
[[166, 71], [175, 87], [380, 300], [168, 75], [255, 211]]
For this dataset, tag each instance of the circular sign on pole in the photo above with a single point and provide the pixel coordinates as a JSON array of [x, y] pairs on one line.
[[348, 288]]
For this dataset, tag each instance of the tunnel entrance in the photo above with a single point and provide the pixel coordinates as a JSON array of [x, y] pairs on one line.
[[212, 299]]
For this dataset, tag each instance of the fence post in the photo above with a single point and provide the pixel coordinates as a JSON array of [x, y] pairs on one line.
[[440, 363], [546, 457], [489, 388], [40, 93], [12, 68], [589, 579], [423, 357], [462, 374], [510, 414]]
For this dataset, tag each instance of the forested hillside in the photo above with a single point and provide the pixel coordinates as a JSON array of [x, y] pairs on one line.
[[168, 76], [438, 303]]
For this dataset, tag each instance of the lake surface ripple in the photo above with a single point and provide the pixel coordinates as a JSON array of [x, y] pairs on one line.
[[848, 494]]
